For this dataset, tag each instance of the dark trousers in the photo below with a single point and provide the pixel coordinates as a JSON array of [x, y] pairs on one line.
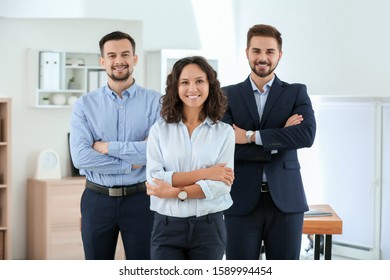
[[280, 232], [195, 238], [103, 217]]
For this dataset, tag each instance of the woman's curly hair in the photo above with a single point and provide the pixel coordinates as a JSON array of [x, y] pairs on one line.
[[172, 106]]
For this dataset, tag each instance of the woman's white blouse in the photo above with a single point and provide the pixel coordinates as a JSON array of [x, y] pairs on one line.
[[170, 149]]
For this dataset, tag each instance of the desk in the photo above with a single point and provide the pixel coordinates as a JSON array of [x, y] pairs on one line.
[[319, 225]]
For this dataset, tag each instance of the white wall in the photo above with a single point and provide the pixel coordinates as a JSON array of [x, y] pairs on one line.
[[168, 23], [335, 47]]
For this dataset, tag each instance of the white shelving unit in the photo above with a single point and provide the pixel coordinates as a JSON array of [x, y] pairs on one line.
[[159, 64], [61, 77]]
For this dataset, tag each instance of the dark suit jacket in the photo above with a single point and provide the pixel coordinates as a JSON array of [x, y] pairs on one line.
[[283, 168]]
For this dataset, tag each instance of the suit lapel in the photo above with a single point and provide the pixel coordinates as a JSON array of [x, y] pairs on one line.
[[273, 95], [247, 94]]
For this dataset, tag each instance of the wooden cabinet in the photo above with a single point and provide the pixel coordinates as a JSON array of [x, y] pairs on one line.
[[5, 176], [57, 78], [53, 226]]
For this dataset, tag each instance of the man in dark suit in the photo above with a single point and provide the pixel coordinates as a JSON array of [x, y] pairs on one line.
[[271, 119]]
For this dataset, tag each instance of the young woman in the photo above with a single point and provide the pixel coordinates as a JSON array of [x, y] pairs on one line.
[[190, 156]]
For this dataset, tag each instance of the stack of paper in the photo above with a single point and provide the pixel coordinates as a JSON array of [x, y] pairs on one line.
[[315, 212]]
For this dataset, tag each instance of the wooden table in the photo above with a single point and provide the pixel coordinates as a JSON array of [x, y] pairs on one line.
[[322, 225]]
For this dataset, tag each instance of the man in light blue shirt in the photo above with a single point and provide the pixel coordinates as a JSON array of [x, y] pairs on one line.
[[109, 131]]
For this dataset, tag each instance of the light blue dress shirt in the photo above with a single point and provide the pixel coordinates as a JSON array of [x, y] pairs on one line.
[[101, 115], [171, 149], [261, 98]]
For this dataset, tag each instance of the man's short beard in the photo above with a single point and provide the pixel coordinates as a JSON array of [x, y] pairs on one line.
[[121, 79], [263, 74]]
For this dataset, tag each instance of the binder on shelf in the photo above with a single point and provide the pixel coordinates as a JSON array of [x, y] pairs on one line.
[[49, 70], [96, 79], [102, 78], [93, 80]]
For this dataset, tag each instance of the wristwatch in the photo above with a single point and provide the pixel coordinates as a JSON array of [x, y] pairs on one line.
[[182, 195], [248, 135]]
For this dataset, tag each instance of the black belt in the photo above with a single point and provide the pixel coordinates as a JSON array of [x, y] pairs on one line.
[[193, 219], [116, 190], [264, 187]]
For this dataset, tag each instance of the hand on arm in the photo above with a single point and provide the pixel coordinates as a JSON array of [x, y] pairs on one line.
[[164, 190], [294, 120], [101, 147], [218, 172], [240, 135]]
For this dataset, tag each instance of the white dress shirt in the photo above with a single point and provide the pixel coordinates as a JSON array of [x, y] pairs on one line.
[[171, 149]]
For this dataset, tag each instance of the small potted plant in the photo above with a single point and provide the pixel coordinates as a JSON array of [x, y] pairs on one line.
[[45, 100], [72, 83]]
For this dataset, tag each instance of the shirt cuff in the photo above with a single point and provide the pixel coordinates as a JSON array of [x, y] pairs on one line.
[[168, 177], [258, 139], [205, 188]]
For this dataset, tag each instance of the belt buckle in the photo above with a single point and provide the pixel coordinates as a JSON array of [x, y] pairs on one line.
[[264, 187], [115, 191]]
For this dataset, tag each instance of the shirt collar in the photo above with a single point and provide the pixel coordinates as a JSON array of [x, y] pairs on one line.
[[266, 86], [207, 121], [130, 91]]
